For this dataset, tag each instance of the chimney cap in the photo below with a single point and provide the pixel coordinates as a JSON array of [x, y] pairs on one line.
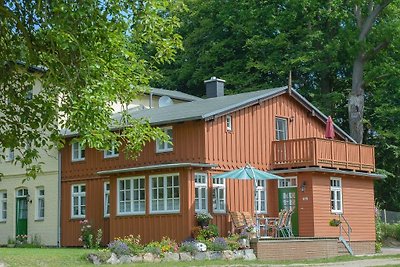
[[213, 79]]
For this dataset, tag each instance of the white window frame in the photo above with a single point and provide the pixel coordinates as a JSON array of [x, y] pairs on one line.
[[106, 201], [80, 152], [163, 208], [165, 146], [218, 185], [281, 131], [261, 190], [287, 182], [337, 197], [131, 193], [80, 195], [111, 153], [200, 184], [229, 123], [40, 199], [10, 154], [3, 205]]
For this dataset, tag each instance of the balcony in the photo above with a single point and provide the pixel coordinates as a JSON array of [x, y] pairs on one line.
[[321, 152]]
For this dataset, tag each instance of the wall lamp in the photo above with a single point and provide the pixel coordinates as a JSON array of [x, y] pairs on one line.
[[28, 198], [303, 186]]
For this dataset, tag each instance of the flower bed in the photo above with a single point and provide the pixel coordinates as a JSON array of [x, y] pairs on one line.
[[206, 246]]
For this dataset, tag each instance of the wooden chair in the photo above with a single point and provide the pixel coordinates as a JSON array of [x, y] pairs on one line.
[[238, 221], [278, 226]]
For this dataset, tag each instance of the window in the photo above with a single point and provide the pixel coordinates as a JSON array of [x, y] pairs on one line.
[[281, 129], [218, 195], [78, 201], [112, 153], [336, 195], [228, 123], [165, 146], [78, 152], [164, 193], [9, 154], [287, 182], [131, 196], [3, 206], [106, 199], [261, 196], [40, 203], [200, 192]]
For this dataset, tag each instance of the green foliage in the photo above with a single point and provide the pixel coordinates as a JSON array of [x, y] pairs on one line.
[[89, 54], [188, 246], [89, 237], [232, 241], [378, 230], [391, 230], [164, 246], [133, 243], [208, 232]]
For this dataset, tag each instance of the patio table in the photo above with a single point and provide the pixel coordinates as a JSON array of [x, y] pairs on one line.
[[266, 223]]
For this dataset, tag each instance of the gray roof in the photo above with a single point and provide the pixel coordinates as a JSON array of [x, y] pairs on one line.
[[205, 108], [174, 94]]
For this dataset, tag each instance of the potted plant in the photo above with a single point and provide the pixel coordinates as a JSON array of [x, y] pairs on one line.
[[251, 231], [203, 218], [10, 242], [334, 222]]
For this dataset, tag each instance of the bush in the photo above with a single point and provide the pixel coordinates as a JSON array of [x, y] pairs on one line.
[[218, 244], [391, 230], [119, 248], [232, 242], [154, 248], [208, 232], [133, 243], [188, 246], [87, 237]]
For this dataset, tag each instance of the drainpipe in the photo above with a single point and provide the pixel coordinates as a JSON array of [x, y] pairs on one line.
[[151, 100], [59, 202]]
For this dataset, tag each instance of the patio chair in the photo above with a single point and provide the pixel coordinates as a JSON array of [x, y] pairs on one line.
[[238, 221], [278, 226], [287, 227]]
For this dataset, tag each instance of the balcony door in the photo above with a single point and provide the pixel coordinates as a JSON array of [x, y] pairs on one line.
[[287, 190]]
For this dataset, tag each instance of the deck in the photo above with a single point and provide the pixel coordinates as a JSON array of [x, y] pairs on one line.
[[322, 152]]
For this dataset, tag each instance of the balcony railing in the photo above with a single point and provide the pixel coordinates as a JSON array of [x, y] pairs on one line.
[[321, 152]]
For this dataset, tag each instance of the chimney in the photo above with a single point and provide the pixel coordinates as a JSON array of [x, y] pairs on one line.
[[214, 87]]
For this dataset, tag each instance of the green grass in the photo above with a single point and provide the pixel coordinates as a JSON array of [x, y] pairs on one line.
[[77, 257]]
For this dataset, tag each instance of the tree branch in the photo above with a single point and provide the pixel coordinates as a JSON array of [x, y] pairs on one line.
[[376, 49], [357, 14], [367, 25]]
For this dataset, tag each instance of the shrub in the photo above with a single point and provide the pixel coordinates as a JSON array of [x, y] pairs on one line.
[[133, 243], [87, 236], [188, 246], [119, 248], [232, 241], [208, 232], [154, 248], [168, 245], [218, 244]]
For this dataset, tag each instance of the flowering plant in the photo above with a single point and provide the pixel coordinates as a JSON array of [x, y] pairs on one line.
[[334, 222], [203, 216], [87, 237], [251, 228], [21, 239]]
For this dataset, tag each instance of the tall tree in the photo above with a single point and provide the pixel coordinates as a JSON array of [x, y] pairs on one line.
[[89, 54]]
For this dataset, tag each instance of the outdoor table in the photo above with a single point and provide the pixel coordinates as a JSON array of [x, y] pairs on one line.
[[267, 223]]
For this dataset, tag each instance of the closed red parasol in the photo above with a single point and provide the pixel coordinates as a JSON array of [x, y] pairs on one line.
[[329, 131]]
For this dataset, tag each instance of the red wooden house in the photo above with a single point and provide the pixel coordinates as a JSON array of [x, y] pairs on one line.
[[276, 130]]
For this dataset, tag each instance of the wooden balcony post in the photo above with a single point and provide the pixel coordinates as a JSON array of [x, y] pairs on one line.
[[332, 161], [359, 156], [315, 151], [347, 154]]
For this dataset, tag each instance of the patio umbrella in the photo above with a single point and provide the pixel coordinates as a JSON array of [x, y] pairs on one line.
[[248, 173], [329, 131]]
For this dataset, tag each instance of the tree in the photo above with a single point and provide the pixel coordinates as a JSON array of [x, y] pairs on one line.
[[86, 54]]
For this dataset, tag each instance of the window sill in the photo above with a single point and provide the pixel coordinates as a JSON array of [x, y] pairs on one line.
[[77, 160], [3, 221], [336, 212], [111, 157], [164, 212], [131, 214], [39, 220], [164, 151], [219, 211], [75, 218]]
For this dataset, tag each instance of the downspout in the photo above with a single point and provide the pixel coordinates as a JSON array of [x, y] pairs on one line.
[[151, 100], [59, 202]]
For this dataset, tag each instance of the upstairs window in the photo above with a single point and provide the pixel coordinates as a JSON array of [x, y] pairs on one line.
[[219, 195], [112, 153], [281, 126], [228, 122], [165, 146], [336, 195], [78, 152], [200, 192], [78, 201], [9, 154], [3, 206], [40, 203]]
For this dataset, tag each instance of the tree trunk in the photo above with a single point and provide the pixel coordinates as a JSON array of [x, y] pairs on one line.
[[356, 100]]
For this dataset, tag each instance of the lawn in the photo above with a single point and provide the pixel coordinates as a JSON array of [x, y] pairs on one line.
[[76, 257]]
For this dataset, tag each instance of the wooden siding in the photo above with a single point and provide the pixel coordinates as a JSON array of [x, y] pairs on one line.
[[358, 206], [253, 130], [323, 153], [305, 205], [188, 140]]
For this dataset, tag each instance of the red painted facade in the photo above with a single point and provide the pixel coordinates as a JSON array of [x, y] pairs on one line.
[[251, 140]]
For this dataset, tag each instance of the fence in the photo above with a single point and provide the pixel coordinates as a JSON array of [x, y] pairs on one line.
[[388, 216]]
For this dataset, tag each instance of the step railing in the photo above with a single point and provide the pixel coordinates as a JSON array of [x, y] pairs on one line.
[[345, 233]]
